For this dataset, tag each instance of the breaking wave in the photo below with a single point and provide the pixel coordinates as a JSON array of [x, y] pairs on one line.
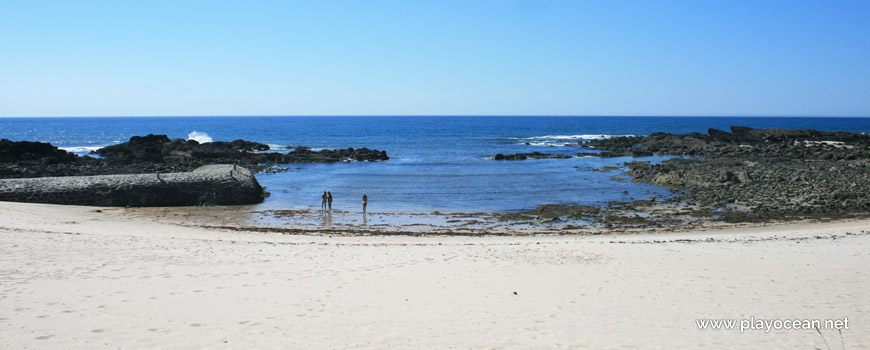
[[200, 137], [549, 143], [81, 149], [574, 137], [561, 140]]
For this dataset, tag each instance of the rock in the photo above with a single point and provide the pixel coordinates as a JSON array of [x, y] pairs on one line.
[[741, 143], [719, 135], [208, 185], [25, 151], [159, 148], [743, 176], [740, 132], [533, 155], [726, 176], [159, 153]]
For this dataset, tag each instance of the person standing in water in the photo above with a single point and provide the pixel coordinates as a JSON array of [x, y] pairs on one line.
[[365, 202], [323, 202], [329, 199]]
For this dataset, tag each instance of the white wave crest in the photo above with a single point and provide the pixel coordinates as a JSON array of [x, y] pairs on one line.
[[200, 137], [548, 143], [312, 149], [574, 137], [81, 149]]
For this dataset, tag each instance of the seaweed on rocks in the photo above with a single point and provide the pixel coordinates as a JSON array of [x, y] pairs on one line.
[[776, 173]]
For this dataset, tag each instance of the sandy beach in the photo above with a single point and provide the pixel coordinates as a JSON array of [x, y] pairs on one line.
[[85, 277]]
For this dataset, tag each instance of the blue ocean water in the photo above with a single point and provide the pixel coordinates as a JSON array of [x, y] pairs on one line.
[[437, 163]]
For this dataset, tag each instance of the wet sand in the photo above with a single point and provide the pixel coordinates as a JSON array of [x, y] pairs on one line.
[[609, 220]]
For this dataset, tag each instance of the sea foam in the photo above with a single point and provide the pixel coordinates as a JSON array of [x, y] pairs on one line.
[[562, 140], [574, 137], [82, 149], [200, 137]]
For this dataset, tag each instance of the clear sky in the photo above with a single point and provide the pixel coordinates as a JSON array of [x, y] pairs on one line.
[[507, 57]]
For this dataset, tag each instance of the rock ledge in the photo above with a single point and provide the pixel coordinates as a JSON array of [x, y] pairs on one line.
[[220, 184]]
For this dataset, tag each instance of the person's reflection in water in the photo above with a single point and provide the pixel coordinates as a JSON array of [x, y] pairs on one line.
[[327, 218]]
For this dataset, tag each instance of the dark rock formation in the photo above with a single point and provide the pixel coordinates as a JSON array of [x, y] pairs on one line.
[[770, 173], [159, 153], [792, 172], [35, 152], [533, 155], [160, 149], [792, 187], [306, 155], [740, 143]]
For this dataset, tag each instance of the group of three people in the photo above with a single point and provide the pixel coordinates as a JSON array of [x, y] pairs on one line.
[[327, 201]]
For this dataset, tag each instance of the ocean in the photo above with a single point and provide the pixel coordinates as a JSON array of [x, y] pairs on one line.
[[437, 163]]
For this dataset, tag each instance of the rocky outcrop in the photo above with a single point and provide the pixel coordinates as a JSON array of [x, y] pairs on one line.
[[791, 172], [306, 155], [790, 187], [207, 185], [742, 134], [533, 155], [33, 152], [767, 172], [161, 149], [741, 142], [159, 153]]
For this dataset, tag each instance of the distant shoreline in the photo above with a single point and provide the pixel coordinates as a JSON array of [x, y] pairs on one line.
[[445, 115]]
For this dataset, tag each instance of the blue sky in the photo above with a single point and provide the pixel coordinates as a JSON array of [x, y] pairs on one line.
[[509, 57]]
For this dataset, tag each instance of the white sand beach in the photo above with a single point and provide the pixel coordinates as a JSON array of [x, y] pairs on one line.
[[76, 277]]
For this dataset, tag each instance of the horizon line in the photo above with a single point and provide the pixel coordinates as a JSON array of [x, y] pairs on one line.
[[449, 115]]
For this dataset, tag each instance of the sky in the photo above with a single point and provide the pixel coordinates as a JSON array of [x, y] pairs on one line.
[[467, 57]]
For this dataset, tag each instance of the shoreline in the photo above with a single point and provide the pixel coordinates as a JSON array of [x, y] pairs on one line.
[[243, 219], [80, 277], [613, 221]]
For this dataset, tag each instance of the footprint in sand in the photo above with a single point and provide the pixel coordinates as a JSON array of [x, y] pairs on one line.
[[196, 324], [44, 337], [98, 331]]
